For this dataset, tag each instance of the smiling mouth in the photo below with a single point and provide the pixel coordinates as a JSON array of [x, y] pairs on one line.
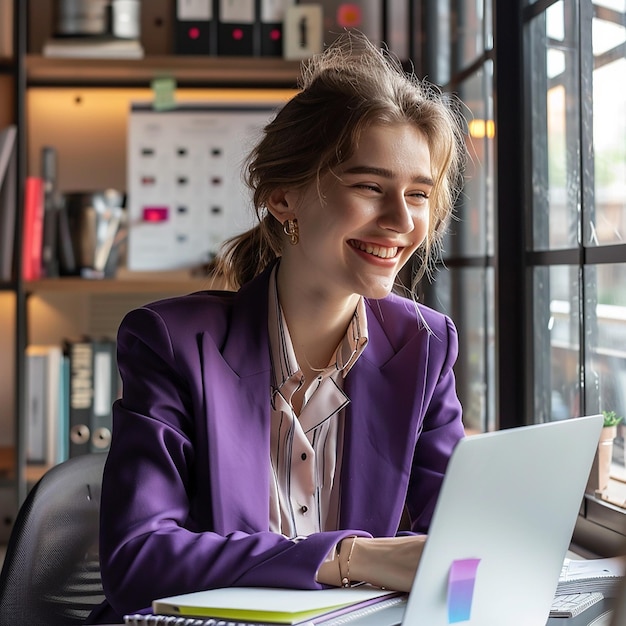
[[381, 252]]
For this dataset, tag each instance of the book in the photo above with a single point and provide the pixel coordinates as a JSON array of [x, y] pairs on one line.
[[274, 606], [592, 575], [8, 199], [33, 228]]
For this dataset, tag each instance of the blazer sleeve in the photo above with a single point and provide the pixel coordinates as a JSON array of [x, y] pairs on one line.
[[156, 536], [441, 429]]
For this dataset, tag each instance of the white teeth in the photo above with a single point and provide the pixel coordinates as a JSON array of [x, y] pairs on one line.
[[379, 251]]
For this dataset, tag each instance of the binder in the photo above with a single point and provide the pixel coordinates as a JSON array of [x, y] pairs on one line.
[[80, 355], [44, 418], [195, 31], [35, 407], [271, 19], [236, 29], [105, 379]]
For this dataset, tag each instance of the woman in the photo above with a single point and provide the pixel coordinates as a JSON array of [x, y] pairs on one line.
[[279, 434]]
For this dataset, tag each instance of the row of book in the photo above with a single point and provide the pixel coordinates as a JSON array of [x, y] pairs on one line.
[[70, 390]]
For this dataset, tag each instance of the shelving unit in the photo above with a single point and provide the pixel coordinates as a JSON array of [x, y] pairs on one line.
[[187, 71], [48, 310]]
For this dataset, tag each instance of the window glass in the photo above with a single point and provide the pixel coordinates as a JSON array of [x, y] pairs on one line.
[[467, 295], [470, 31], [473, 229], [605, 222], [556, 338], [605, 337], [554, 127]]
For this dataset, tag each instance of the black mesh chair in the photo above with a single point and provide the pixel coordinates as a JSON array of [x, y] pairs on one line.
[[51, 571]]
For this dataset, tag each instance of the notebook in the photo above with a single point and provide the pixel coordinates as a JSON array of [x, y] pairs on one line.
[[500, 531]]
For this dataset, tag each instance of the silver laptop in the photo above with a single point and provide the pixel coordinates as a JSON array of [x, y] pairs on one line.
[[501, 528]]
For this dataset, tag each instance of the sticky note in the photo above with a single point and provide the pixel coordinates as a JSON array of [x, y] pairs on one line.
[[461, 580], [164, 90]]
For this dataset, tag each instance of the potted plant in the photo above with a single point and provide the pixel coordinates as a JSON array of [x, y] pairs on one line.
[[601, 470]]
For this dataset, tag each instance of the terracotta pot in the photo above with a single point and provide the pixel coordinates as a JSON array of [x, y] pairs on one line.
[[601, 469]]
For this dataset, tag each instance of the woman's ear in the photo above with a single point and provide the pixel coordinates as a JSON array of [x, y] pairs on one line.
[[279, 206]]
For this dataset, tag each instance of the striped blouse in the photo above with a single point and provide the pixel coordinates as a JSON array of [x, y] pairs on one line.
[[306, 448]]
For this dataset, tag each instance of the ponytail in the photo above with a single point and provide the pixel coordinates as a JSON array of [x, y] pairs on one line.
[[245, 256]]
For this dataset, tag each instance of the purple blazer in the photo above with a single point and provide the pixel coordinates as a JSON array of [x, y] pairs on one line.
[[185, 497]]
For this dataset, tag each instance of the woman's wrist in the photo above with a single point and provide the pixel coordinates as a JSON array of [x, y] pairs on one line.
[[346, 549]]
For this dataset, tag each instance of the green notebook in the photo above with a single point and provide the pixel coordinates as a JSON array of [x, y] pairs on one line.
[[273, 606]]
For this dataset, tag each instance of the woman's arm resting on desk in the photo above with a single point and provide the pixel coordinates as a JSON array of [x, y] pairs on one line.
[[389, 562]]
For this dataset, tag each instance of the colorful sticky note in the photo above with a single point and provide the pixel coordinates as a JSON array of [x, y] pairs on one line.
[[164, 90], [461, 580]]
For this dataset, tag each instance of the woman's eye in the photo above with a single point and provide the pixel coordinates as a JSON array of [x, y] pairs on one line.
[[366, 186]]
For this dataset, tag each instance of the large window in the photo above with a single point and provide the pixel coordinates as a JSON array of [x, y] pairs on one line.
[[577, 211], [465, 287], [535, 265]]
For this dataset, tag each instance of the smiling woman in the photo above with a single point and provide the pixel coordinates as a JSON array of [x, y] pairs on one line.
[[295, 433]]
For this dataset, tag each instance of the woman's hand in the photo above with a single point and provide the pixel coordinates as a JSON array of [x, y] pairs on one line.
[[389, 562]]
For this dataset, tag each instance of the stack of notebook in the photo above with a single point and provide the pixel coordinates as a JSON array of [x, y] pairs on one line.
[[599, 575]]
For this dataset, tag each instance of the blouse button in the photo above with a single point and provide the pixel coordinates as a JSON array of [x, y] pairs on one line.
[[303, 456], [304, 509]]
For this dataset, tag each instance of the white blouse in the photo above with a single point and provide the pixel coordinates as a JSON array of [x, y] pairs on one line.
[[306, 449]]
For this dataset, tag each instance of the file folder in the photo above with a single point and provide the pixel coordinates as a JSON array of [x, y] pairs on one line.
[[271, 18], [195, 31], [236, 30]]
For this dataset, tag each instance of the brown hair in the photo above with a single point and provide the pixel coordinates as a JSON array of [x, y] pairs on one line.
[[346, 88]]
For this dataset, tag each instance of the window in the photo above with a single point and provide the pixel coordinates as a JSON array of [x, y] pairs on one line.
[[535, 265], [465, 289], [577, 212]]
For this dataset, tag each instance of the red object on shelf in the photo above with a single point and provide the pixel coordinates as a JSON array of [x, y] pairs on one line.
[[33, 228]]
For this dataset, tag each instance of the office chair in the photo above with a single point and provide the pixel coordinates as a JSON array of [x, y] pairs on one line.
[[51, 571]]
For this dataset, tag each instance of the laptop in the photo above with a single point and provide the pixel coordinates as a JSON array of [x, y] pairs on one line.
[[501, 528]]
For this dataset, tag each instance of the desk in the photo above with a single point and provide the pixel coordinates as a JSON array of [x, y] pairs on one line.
[[586, 618]]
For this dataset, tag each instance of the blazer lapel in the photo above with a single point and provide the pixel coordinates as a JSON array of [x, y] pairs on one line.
[[383, 422], [236, 388]]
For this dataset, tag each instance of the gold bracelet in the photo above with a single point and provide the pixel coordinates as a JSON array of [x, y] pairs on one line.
[[345, 580]]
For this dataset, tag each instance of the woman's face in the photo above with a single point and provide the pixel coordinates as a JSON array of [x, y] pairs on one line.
[[373, 215]]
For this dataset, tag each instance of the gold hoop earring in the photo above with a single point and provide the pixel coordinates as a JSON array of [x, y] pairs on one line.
[[290, 228]]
